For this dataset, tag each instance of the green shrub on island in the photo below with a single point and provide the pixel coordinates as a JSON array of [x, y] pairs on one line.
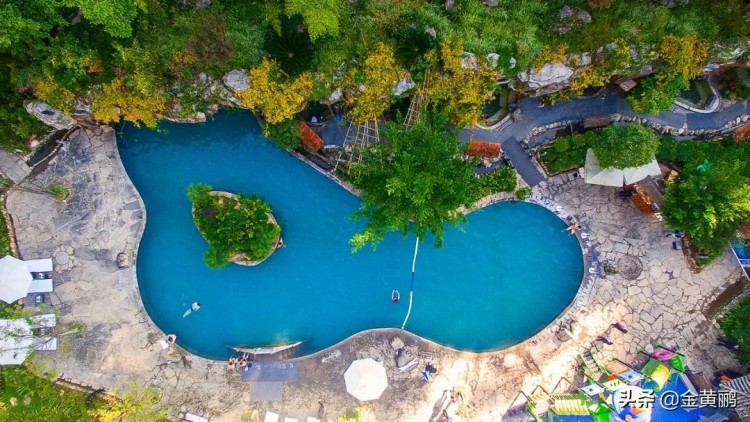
[[237, 228]]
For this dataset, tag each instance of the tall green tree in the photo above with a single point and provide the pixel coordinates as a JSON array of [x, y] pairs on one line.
[[623, 146], [116, 16], [736, 326], [708, 201], [413, 181]]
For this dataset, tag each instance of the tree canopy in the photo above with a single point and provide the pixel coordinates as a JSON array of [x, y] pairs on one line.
[[142, 59], [711, 196], [623, 146], [736, 326], [708, 202], [414, 180]]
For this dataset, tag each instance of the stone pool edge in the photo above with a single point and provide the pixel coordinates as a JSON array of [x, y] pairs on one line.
[[480, 204]]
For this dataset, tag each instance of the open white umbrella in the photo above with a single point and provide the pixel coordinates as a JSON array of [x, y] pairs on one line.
[[365, 379], [610, 176], [15, 279]]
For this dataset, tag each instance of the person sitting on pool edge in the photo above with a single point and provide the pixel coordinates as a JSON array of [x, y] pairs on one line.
[[395, 296]]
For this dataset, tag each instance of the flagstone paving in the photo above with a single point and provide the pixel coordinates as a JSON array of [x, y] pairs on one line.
[[100, 226]]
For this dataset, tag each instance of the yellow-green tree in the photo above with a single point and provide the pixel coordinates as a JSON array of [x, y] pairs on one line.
[[134, 105], [137, 92], [683, 56], [273, 94], [369, 88], [462, 88]]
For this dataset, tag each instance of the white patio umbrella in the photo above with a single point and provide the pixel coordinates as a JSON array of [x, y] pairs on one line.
[[610, 176], [365, 379], [636, 174], [15, 279]]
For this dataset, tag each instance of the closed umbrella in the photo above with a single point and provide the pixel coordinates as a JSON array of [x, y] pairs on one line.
[[15, 279], [365, 379]]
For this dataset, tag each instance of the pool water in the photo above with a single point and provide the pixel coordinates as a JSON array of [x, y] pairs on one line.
[[502, 277]]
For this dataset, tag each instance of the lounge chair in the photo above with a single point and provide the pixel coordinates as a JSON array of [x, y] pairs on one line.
[[312, 419], [288, 419], [194, 418], [40, 268], [47, 344], [271, 417], [41, 286]]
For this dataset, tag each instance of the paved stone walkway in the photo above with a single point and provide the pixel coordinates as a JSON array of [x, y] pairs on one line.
[[12, 166], [105, 217], [534, 115]]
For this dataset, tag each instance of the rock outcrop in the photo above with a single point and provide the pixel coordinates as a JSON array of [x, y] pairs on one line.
[[50, 116], [403, 86], [237, 80], [549, 75]]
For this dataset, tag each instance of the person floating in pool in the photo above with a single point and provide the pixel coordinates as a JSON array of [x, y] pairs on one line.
[[194, 307], [395, 296]]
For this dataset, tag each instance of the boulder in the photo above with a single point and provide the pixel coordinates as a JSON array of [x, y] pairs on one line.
[[403, 357], [431, 31], [397, 343], [512, 62], [490, 3], [585, 59], [468, 60], [583, 16], [566, 12], [335, 97], [549, 74], [403, 86], [237, 80], [492, 59], [200, 4], [50, 116], [197, 117]]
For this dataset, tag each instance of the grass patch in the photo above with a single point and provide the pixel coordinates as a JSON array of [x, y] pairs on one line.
[[59, 192], [567, 152], [39, 399]]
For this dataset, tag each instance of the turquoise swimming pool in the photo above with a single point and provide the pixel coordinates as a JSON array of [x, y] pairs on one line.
[[509, 272]]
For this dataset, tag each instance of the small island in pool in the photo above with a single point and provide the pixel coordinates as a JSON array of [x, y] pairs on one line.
[[238, 229]]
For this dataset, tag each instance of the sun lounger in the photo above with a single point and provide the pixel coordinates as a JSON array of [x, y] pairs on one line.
[[41, 286], [43, 321], [47, 344], [39, 265], [312, 419], [271, 417], [288, 419], [194, 418], [408, 365]]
